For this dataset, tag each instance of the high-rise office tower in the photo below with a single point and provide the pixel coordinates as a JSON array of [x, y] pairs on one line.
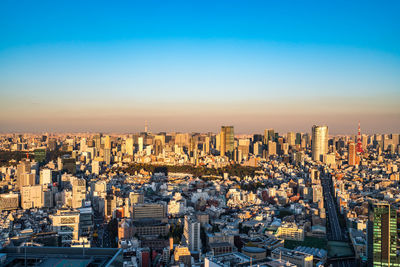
[[129, 146], [382, 235], [218, 142], [78, 192], [291, 138], [269, 135], [257, 148], [222, 143], [140, 143], [46, 176], [97, 142], [23, 168], [227, 141], [352, 157], [244, 146], [319, 142], [271, 148], [107, 149], [298, 139], [207, 145], [83, 145], [191, 233], [158, 147]]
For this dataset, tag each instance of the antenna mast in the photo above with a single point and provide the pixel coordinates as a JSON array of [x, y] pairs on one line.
[[359, 148]]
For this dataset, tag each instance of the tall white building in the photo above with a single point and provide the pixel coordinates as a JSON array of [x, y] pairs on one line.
[[129, 146], [191, 233], [78, 192], [45, 176], [140, 142], [83, 145], [319, 142]]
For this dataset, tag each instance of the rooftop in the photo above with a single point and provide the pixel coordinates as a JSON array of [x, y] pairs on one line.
[[60, 256]]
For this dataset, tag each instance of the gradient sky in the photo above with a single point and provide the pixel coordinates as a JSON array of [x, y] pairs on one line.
[[196, 65]]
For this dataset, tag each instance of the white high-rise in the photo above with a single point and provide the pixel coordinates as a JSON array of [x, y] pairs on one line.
[[140, 142], [319, 142], [191, 233], [129, 146], [45, 176]]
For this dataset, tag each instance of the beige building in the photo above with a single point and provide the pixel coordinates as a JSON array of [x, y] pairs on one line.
[[32, 196], [291, 138], [129, 146], [136, 198], [23, 171], [300, 259], [290, 231], [271, 148], [182, 254]]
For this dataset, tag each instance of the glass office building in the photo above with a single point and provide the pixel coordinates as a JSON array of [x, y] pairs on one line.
[[383, 235]]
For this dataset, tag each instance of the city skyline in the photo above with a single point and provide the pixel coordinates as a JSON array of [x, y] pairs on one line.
[[215, 130], [187, 67], [200, 133]]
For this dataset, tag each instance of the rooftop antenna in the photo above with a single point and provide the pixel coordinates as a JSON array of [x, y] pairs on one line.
[[145, 126]]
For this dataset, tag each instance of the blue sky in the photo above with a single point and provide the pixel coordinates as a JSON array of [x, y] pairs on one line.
[[194, 65]]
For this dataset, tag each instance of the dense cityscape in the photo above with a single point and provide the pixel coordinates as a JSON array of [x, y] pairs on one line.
[[204, 133], [200, 199]]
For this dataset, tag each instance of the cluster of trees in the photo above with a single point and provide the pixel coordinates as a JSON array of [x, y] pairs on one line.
[[112, 228], [252, 186], [6, 156], [176, 232], [232, 170]]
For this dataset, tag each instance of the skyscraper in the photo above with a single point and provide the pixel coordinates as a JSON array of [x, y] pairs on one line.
[[291, 138], [140, 143], [227, 141], [207, 145], [158, 147], [319, 142], [269, 135], [107, 149], [97, 142], [271, 148], [191, 233], [23, 169], [352, 154], [298, 139], [382, 235], [129, 146], [78, 192]]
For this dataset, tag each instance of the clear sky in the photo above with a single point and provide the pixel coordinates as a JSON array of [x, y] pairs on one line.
[[196, 65]]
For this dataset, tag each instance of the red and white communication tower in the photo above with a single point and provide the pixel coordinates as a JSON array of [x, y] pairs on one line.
[[359, 148]]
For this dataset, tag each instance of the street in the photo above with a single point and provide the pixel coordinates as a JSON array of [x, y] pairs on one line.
[[335, 232]]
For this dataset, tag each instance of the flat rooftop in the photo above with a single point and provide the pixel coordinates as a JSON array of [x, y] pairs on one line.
[[61, 256]]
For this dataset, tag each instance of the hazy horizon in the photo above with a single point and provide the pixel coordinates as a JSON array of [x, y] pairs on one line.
[[194, 66]]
